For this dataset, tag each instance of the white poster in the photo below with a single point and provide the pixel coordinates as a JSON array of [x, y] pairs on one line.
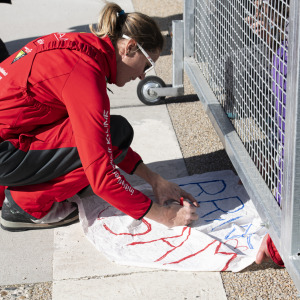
[[226, 237]]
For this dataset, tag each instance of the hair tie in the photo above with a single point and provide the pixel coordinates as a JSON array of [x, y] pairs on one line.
[[122, 12]]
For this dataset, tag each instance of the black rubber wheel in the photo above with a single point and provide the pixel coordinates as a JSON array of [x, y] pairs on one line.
[[143, 90]]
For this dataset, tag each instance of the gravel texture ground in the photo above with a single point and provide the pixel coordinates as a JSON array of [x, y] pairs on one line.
[[34, 291], [203, 152]]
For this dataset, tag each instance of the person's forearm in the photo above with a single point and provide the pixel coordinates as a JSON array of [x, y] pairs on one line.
[[148, 175], [163, 189], [157, 213]]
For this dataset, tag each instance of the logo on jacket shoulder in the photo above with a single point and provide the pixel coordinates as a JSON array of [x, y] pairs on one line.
[[22, 53], [19, 55]]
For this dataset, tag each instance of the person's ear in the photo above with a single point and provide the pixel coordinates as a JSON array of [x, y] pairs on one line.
[[130, 47]]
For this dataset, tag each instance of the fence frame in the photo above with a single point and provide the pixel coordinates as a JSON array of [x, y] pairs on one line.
[[283, 223]]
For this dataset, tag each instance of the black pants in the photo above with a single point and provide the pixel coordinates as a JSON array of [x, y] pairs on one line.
[[48, 176]]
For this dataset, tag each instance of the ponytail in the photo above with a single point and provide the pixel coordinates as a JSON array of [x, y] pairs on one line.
[[114, 22]]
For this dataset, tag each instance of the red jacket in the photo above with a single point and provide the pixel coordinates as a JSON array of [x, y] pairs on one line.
[[64, 75]]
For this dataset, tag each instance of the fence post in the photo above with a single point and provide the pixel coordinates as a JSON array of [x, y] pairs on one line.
[[188, 19], [290, 233]]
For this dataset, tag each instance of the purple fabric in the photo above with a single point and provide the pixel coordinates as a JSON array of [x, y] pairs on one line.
[[279, 72]]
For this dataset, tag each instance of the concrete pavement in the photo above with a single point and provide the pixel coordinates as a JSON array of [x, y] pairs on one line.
[[63, 255]]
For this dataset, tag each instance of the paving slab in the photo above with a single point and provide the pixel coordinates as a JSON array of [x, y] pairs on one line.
[[155, 140], [25, 20], [81, 272], [74, 256], [26, 257], [160, 285], [64, 255]]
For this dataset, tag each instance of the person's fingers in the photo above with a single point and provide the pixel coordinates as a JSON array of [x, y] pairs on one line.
[[191, 207], [263, 253], [191, 211], [190, 198], [260, 257]]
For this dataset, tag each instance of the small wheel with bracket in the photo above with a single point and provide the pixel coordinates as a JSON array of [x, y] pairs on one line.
[[144, 93]]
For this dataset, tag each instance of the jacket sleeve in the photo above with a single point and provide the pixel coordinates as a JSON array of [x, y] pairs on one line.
[[87, 103], [130, 162]]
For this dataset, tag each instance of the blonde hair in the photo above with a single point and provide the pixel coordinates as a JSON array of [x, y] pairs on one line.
[[114, 22]]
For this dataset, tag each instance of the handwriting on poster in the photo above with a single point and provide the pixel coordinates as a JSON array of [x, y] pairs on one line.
[[228, 231]]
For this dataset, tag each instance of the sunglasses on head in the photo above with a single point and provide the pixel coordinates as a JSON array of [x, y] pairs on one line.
[[152, 64]]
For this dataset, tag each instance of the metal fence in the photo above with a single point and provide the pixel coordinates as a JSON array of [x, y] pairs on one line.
[[242, 57]]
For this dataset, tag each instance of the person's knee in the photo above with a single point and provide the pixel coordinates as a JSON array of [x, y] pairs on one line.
[[121, 132]]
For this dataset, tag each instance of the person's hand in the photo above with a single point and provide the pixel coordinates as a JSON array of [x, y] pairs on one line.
[[165, 190], [263, 253], [260, 23], [173, 214], [258, 27], [254, 13], [170, 214], [178, 215]]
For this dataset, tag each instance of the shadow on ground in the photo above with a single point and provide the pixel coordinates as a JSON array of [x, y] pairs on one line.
[[210, 162]]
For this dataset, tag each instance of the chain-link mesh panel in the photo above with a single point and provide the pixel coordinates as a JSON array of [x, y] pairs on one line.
[[241, 48]]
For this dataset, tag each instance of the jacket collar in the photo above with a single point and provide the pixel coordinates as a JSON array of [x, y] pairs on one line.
[[109, 55]]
